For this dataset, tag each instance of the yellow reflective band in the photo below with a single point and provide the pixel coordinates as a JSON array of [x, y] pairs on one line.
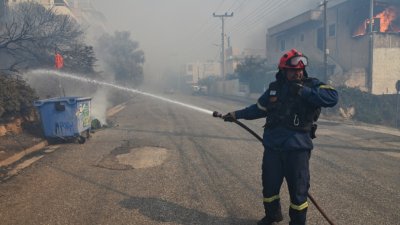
[[326, 87], [299, 207], [261, 107], [271, 199]]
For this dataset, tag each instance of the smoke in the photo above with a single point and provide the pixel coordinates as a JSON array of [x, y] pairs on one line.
[[49, 84], [192, 33], [100, 105], [287, 9], [292, 9]]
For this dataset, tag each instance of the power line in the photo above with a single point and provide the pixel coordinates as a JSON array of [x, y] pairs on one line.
[[268, 10], [209, 28], [238, 9], [252, 13], [234, 3], [271, 12], [206, 27]]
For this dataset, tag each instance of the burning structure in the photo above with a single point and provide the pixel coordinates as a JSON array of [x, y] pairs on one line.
[[363, 42], [386, 19]]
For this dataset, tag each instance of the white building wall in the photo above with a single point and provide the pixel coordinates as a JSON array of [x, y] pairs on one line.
[[60, 7], [227, 87], [200, 70], [82, 4], [386, 70], [46, 3]]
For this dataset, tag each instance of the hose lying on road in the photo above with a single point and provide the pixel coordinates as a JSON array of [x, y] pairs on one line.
[[219, 115]]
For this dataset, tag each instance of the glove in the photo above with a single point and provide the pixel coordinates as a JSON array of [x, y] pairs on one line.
[[295, 88], [229, 117]]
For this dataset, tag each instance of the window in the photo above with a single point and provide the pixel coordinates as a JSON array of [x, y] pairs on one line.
[[282, 45], [332, 30]]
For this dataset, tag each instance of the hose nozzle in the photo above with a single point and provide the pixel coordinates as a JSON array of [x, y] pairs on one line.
[[217, 114]]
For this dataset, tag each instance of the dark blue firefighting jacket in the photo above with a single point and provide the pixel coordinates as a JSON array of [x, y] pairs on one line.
[[282, 134]]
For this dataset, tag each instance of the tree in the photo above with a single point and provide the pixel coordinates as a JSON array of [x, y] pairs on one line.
[[30, 34], [16, 97], [122, 57], [256, 72], [80, 58]]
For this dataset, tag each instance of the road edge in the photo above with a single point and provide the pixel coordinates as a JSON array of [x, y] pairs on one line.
[[14, 158], [39, 146]]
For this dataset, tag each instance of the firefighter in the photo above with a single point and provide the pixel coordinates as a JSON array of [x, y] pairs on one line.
[[291, 105]]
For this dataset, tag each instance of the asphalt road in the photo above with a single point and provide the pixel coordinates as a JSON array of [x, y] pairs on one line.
[[166, 164]]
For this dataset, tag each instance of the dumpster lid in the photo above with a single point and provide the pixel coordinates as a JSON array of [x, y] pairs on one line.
[[69, 100]]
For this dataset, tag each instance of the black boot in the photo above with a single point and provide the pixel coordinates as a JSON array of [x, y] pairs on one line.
[[269, 221], [273, 213], [297, 217]]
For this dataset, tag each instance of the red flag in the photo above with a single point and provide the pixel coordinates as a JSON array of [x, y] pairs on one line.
[[59, 61]]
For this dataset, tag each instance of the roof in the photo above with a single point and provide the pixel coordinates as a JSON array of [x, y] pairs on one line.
[[64, 10], [312, 15]]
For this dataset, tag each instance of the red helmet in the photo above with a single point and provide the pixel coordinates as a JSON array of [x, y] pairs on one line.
[[293, 59]]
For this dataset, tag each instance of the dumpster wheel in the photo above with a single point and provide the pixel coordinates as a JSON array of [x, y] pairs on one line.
[[81, 140]]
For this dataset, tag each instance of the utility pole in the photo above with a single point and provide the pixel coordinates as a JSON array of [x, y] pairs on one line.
[[223, 41], [398, 104], [198, 73], [371, 46], [325, 3]]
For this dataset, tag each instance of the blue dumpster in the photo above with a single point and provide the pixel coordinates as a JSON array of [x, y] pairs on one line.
[[65, 118]]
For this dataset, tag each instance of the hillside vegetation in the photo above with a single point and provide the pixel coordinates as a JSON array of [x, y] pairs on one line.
[[375, 109], [16, 97]]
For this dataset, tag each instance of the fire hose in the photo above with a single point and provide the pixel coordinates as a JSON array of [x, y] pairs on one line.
[[219, 115]]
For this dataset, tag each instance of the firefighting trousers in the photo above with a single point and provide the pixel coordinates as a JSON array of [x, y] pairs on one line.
[[294, 167]]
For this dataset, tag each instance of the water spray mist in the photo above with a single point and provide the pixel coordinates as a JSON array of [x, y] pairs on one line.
[[96, 82]]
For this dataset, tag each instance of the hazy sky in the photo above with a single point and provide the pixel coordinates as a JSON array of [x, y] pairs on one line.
[[172, 32]]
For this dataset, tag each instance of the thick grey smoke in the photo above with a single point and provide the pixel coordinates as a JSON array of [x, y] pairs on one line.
[[280, 11], [100, 104], [172, 33]]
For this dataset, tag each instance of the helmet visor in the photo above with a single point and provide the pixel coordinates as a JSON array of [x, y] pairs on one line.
[[294, 61]]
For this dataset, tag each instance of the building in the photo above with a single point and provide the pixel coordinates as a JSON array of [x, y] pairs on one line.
[[232, 59], [358, 55], [46, 3], [59, 6], [2, 8], [199, 70], [82, 4], [89, 17]]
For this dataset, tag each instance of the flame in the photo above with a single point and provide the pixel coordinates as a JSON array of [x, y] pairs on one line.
[[386, 22], [362, 29], [386, 17]]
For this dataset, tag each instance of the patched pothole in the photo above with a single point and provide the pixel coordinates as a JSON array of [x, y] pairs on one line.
[[125, 158], [143, 157]]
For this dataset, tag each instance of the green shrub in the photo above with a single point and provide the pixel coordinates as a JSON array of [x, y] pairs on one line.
[[16, 97]]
